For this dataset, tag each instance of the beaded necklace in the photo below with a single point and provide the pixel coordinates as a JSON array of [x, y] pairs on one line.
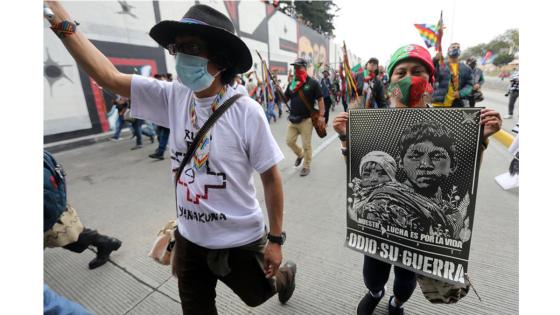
[[202, 153]]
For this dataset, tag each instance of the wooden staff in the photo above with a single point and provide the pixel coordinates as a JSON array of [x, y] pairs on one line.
[[275, 83]]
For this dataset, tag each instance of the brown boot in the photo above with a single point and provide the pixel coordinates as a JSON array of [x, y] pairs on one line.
[[286, 281]]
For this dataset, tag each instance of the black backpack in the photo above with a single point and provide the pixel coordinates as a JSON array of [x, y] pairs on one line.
[[54, 191]]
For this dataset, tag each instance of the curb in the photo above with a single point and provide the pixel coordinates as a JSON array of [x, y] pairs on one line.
[[75, 143], [504, 137]]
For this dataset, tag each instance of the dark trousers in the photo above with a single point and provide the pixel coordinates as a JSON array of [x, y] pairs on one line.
[[137, 127], [278, 103], [344, 104], [163, 137], [513, 95], [197, 284], [472, 102], [376, 274], [86, 238], [118, 127], [328, 103]]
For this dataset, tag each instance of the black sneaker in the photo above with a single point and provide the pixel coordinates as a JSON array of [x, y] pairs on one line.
[[289, 270], [136, 147], [298, 161], [395, 310], [156, 156], [368, 303]]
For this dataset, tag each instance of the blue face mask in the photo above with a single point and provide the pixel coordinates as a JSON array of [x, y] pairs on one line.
[[193, 72], [454, 53]]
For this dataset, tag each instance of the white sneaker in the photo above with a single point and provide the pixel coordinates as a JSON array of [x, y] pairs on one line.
[[115, 139], [508, 116]]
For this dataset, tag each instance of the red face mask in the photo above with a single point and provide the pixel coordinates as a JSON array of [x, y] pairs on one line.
[[301, 74], [410, 90]]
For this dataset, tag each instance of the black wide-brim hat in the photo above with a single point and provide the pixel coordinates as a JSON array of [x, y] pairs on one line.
[[211, 25]]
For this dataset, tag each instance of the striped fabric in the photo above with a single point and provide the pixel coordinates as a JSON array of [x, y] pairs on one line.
[[428, 33]]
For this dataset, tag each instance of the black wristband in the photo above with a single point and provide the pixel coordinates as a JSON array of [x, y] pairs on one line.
[[342, 137], [277, 239]]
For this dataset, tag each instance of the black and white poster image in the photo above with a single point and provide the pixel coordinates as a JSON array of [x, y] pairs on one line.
[[412, 181]]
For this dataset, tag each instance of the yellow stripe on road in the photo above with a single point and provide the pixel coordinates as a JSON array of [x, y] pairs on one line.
[[503, 137]]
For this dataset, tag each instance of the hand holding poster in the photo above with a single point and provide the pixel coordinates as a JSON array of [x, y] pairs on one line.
[[412, 180]]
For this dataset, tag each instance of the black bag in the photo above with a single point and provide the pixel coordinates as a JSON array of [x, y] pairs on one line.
[[477, 96], [295, 119]]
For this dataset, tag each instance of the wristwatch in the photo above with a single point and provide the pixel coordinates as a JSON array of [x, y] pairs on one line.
[[277, 239]]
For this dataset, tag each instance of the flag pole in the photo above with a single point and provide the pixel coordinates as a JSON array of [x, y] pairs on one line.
[[348, 71], [274, 80]]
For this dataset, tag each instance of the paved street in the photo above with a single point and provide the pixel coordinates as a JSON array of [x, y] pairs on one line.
[[125, 194]]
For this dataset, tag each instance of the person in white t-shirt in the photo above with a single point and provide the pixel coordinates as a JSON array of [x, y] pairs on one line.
[[221, 231]]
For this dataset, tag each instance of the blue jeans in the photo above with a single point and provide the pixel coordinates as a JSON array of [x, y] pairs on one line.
[[119, 126], [279, 104], [163, 135], [149, 129], [139, 131], [270, 111], [54, 304], [137, 128]]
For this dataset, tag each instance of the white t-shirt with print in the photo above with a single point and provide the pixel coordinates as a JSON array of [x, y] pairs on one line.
[[217, 206]]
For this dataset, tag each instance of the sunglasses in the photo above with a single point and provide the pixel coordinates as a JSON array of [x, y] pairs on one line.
[[190, 48]]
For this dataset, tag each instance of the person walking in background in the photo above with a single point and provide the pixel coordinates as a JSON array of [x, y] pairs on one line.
[[370, 87], [327, 90], [513, 94], [122, 105], [269, 100], [478, 81], [302, 89], [278, 95], [336, 89], [162, 132]]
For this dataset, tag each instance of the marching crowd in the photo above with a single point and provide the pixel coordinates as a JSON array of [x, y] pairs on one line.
[[213, 119]]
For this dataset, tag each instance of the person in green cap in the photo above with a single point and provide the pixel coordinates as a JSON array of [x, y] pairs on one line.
[[411, 76]]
